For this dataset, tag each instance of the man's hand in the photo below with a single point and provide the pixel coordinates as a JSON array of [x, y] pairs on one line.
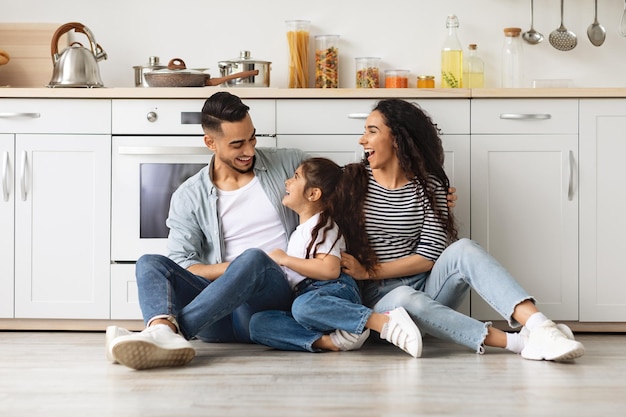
[[451, 197]]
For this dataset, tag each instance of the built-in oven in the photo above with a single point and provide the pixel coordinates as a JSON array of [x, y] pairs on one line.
[[157, 145]]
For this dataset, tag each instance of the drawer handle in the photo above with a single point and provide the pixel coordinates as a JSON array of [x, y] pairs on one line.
[[358, 115], [525, 116], [570, 188], [5, 176], [23, 176], [20, 115], [163, 150]]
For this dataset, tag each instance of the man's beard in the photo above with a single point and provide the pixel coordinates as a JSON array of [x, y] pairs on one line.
[[241, 171]]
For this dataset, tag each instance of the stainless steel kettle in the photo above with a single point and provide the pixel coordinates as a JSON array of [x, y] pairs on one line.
[[76, 66]]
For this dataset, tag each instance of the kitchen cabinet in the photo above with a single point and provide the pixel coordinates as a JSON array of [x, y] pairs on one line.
[[602, 208], [7, 231], [524, 203], [59, 186]]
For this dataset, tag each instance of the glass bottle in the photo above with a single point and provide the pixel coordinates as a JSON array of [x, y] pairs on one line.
[[473, 69], [512, 58], [452, 56]]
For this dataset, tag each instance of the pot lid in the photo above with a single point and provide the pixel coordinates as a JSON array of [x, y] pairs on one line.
[[177, 66], [244, 57]]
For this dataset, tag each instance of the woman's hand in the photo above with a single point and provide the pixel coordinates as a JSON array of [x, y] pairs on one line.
[[351, 266], [451, 197]]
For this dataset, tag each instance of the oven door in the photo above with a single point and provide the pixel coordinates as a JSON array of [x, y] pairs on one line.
[[146, 171]]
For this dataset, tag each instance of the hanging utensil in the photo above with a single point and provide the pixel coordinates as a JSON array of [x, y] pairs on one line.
[[532, 36], [595, 32], [622, 22], [561, 38]]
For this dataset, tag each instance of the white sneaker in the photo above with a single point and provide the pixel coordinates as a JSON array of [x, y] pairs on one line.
[[547, 342], [348, 341], [567, 332], [113, 332], [157, 346], [402, 332]]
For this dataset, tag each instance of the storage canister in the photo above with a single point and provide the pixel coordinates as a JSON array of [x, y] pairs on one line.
[[367, 72], [425, 81], [396, 78], [326, 61]]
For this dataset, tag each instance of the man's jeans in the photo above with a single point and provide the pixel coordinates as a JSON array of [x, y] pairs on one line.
[[319, 308], [214, 311], [430, 298]]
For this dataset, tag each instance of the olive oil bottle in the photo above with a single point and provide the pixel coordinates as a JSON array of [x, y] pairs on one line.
[[452, 56]]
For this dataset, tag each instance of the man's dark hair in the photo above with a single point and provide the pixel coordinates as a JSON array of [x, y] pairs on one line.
[[222, 107]]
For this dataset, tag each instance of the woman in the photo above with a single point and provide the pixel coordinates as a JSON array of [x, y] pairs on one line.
[[401, 198], [327, 314]]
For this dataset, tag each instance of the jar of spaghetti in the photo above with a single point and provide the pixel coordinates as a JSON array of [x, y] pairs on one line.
[[396, 78], [298, 41], [367, 72], [425, 81], [326, 60]]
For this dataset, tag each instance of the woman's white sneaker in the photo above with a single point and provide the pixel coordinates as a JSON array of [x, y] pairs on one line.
[[402, 331], [157, 346], [547, 342]]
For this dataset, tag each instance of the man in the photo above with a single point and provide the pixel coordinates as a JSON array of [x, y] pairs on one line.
[[212, 282]]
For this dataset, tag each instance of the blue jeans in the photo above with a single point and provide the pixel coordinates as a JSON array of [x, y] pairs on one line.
[[214, 311], [319, 308], [430, 298]]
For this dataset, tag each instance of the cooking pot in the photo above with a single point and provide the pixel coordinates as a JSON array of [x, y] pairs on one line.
[[245, 63], [76, 66], [141, 70], [177, 75]]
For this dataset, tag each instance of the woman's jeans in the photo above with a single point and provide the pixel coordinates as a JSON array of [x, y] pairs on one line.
[[319, 308], [214, 311], [430, 298]]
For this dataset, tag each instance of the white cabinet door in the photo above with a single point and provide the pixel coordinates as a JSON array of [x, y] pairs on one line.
[[602, 210], [7, 223], [62, 232], [524, 212]]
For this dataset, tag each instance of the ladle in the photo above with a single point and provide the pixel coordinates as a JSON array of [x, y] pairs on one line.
[[561, 38], [595, 32], [532, 36], [622, 22]]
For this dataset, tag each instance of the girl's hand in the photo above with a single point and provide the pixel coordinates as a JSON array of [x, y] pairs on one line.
[[278, 256], [451, 197], [351, 266]]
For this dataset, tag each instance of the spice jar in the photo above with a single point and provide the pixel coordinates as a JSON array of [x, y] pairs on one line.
[[425, 81], [326, 60], [396, 78], [367, 72]]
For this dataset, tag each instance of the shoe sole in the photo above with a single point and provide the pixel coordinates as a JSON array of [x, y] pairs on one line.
[[112, 333], [139, 354], [571, 354], [405, 317]]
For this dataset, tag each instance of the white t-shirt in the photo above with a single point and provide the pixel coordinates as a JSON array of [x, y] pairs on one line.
[[299, 241], [249, 220]]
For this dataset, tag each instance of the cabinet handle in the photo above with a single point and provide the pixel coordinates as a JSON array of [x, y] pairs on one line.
[[358, 115], [525, 116], [570, 188], [23, 176], [19, 115], [5, 176], [163, 150]]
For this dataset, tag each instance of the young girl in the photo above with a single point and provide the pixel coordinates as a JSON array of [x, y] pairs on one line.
[[327, 314]]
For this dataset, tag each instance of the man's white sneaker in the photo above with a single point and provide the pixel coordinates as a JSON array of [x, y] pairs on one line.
[[157, 346], [547, 342], [402, 331], [113, 332], [348, 341]]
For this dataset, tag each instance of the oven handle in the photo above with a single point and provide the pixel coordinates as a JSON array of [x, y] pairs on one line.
[[163, 150]]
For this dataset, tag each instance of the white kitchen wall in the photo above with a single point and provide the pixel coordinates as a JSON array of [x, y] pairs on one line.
[[404, 33]]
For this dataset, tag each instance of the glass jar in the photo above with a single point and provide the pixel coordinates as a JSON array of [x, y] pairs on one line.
[[326, 61], [512, 58], [367, 72], [298, 42], [425, 81], [473, 69], [396, 78]]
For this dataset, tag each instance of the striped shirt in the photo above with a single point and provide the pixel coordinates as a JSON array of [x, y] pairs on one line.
[[401, 222]]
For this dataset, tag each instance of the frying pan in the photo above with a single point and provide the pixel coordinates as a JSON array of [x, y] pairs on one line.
[[177, 75]]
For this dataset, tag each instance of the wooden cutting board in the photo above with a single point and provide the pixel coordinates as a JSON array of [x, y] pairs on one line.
[[29, 46]]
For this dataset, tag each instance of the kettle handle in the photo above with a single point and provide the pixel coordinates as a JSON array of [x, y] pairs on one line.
[[78, 27]]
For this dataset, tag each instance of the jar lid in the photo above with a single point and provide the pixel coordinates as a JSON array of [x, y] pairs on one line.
[[425, 77], [512, 31]]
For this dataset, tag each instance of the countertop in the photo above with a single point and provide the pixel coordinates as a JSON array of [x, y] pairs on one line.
[[342, 93]]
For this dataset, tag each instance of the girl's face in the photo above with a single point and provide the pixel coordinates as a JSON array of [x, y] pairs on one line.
[[377, 142], [297, 195]]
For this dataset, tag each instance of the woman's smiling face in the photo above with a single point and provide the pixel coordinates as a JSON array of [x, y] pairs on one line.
[[378, 142]]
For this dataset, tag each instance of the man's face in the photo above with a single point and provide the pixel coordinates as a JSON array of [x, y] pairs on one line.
[[235, 147]]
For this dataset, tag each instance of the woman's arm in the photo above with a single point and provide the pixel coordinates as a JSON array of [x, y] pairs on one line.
[[410, 265], [323, 267]]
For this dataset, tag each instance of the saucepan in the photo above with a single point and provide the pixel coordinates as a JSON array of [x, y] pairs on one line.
[[178, 75]]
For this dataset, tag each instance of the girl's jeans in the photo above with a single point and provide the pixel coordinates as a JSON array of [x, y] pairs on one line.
[[319, 308], [214, 311], [430, 298]]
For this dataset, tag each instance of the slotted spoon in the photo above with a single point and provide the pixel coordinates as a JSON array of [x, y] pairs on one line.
[[561, 38]]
